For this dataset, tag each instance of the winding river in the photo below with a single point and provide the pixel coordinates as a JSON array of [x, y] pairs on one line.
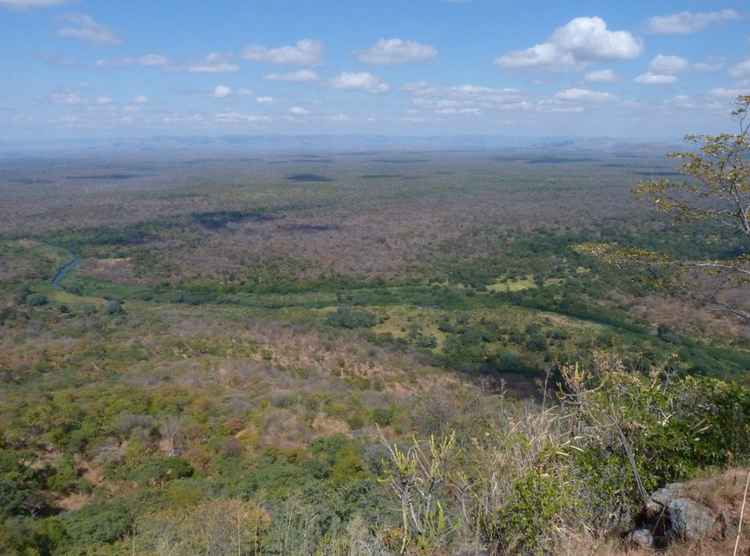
[[64, 270]]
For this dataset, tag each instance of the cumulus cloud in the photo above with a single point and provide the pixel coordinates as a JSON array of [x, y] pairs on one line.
[[147, 60], [221, 91], [397, 51], [264, 100], [558, 106], [684, 23], [584, 95], [31, 3], [66, 97], [104, 100], [668, 65], [601, 76], [214, 63], [741, 70], [466, 99], [362, 81], [580, 41], [681, 101], [306, 52], [458, 111], [299, 76], [140, 99], [84, 27], [239, 118], [649, 78], [299, 111]]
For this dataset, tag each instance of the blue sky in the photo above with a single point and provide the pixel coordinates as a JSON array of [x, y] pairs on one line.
[[650, 69]]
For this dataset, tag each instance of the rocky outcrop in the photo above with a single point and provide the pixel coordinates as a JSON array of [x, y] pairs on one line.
[[671, 515]]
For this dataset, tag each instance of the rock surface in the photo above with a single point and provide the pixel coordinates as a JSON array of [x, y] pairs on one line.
[[671, 515], [642, 538], [689, 520]]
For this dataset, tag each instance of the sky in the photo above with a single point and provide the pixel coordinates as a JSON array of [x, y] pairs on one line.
[[106, 68]]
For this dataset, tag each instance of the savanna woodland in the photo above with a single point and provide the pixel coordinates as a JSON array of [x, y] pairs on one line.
[[514, 351]]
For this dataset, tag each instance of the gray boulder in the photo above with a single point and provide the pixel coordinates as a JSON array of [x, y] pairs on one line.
[[672, 515], [689, 520], [642, 538]]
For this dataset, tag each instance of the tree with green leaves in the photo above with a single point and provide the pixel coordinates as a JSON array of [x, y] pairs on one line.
[[715, 191]]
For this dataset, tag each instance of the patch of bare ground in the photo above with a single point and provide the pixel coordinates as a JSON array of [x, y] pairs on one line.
[[687, 318], [73, 502], [116, 269]]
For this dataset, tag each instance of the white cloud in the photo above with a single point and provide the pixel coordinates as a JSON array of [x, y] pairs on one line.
[[710, 65], [584, 95], [601, 76], [104, 100], [66, 97], [148, 60], [470, 98], [458, 111], [214, 63], [298, 111], [580, 41], [140, 99], [684, 23], [561, 109], [397, 51], [649, 78], [741, 70], [31, 3], [83, 27], [340, 118], [175, 118], [729, 93], [245, 92], [305, 53], [238, 118], [681, 101], [667, 65], [264, 100], [221, 91], [299, 76], [153, 60], [360, 81]]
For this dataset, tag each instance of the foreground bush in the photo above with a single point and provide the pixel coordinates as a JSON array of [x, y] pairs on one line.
[[531, 476]]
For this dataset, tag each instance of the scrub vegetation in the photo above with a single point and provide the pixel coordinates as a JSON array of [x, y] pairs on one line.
[[254, 358]]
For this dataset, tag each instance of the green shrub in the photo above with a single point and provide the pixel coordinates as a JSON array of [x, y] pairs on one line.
[[161, 470], [346, 317], [426, 342], [98, 523], [36, 300], [87, 309], [536, 342], [526, 522], [112, 307], [383, 416], [673, 427]]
